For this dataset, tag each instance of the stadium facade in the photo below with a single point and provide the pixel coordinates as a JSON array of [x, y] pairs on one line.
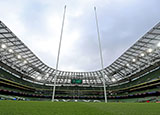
[[22, 69]]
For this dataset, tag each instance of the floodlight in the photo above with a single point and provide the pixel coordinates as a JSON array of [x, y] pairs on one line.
[[158, 45], [149, 50], [10, 50], [142, 54], [38, 78], [127, 65], [24, 61], [133, 60], [113, 79], [19, 57], [3, 46]]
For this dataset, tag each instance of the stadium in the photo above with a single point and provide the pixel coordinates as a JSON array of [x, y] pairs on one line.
[[131, 84]]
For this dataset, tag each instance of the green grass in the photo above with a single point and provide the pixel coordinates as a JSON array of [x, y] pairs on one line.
[[77, 108]]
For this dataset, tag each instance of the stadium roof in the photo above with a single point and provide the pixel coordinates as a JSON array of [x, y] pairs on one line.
[[143, 54]]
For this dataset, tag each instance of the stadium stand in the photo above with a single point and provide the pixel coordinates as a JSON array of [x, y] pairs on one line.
[[23, 76], [11, 85]]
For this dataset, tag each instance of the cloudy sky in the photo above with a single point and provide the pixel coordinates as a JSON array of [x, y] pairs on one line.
[[38, 23]]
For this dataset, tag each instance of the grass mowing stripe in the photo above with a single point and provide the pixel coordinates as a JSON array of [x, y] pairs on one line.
[[76, 108]]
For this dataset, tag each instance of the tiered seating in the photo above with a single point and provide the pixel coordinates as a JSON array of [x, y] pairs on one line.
[[148, 77], [144, 86]]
